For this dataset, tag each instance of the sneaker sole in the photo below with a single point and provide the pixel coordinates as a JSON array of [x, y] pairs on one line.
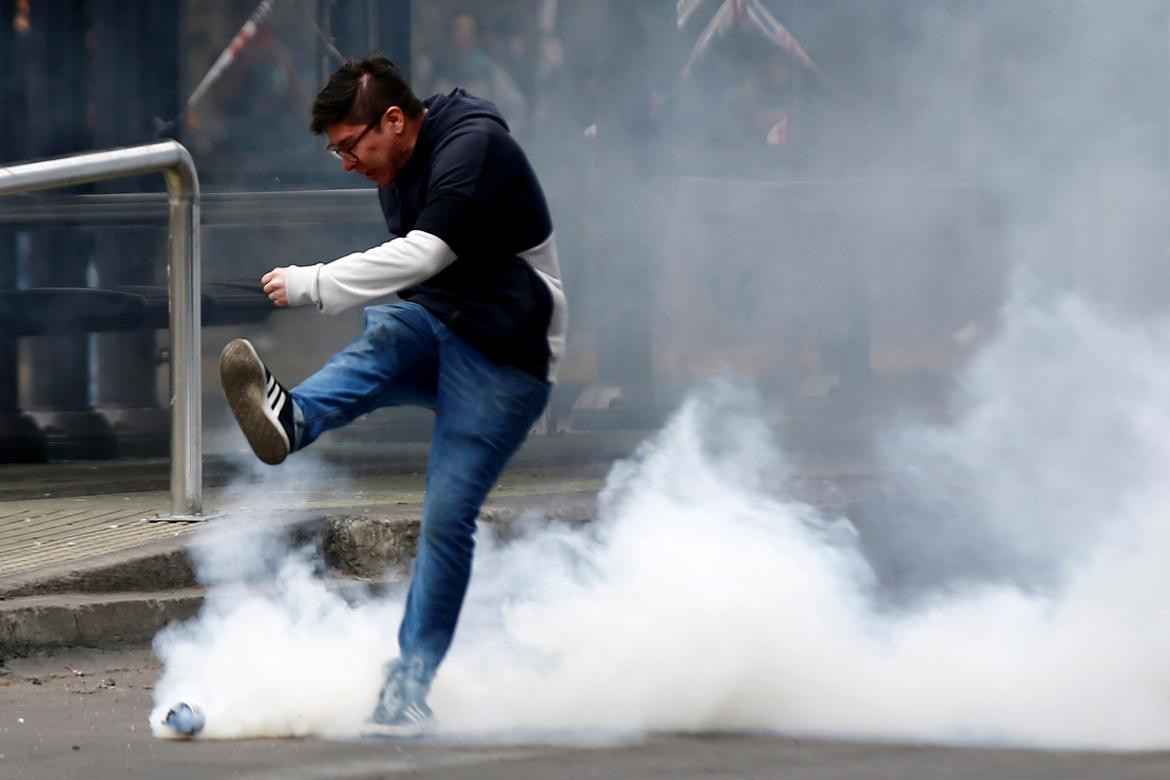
[[374, 730], [241, 373]]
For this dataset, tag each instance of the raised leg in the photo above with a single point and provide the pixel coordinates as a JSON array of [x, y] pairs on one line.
[[393, 362]]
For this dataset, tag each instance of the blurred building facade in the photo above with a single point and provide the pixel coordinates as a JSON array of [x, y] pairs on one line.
[[812, 215]]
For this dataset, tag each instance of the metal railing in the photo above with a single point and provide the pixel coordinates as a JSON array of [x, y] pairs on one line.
[[216, 209], [183, 273]]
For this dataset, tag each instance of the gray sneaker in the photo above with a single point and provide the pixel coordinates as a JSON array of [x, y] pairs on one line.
[[402, 709], [411, 720], [262, 406]]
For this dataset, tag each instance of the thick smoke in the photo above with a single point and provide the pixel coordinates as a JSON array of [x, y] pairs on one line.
[[276, 648], [703, 598], [708, 601]]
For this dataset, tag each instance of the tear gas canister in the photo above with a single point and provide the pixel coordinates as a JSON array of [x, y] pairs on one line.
[[185, 719]]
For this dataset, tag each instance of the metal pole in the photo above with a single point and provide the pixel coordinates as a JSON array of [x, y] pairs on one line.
[[173, 160], [183, 274]]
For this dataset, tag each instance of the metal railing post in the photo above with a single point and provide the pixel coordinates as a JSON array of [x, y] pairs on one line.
[[185, 289], [183, 271]]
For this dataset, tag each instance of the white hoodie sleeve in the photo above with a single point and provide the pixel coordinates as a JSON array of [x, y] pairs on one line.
[[364, 276]]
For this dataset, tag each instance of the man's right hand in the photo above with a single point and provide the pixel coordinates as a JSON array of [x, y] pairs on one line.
[[275, 284]]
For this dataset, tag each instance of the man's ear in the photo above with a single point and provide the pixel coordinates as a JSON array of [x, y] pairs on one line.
[[395, 118]]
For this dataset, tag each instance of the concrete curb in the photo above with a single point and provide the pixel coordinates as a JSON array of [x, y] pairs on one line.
[[103, 621], [367, 545]]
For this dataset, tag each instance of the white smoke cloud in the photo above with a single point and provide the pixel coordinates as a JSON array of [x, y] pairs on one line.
[[276, 649], [287, 658], [1014, 594]]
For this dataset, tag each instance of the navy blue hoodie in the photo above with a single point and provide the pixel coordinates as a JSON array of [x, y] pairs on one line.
[[469, 184]]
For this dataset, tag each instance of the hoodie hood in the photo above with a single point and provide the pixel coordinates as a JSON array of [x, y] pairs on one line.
[[444, 114]]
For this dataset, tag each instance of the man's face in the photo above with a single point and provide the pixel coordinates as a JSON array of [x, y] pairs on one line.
[[377, 152]]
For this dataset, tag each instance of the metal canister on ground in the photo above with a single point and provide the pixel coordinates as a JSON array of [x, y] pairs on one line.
[[185, 719]]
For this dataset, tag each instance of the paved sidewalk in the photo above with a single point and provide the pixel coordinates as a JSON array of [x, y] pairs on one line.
[[88, 556], [50, 533], [61, 514], [98, 572]]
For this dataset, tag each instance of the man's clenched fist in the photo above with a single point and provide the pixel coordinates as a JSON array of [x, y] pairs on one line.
[[276, 285]]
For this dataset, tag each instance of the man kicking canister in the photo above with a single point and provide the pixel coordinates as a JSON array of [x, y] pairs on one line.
[[476, 336]]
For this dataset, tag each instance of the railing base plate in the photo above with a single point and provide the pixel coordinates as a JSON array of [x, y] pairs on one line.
[[186, 518]]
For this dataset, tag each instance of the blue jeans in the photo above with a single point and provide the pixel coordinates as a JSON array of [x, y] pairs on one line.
[[483, 412]]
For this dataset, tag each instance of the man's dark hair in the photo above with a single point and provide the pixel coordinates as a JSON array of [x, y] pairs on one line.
[[360, 91]]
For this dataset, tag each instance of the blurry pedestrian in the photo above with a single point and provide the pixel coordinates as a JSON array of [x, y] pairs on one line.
[[476, 336], [468, 64]]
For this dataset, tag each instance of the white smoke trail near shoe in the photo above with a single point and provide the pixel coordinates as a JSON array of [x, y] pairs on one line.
[[275, 650]]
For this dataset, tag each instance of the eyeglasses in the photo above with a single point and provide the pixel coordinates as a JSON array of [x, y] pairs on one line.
[[347, 153]]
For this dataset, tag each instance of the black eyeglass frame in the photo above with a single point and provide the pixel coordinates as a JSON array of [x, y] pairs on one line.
[[347, 153]]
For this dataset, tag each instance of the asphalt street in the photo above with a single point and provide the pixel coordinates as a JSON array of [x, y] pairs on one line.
[[82, 714]]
